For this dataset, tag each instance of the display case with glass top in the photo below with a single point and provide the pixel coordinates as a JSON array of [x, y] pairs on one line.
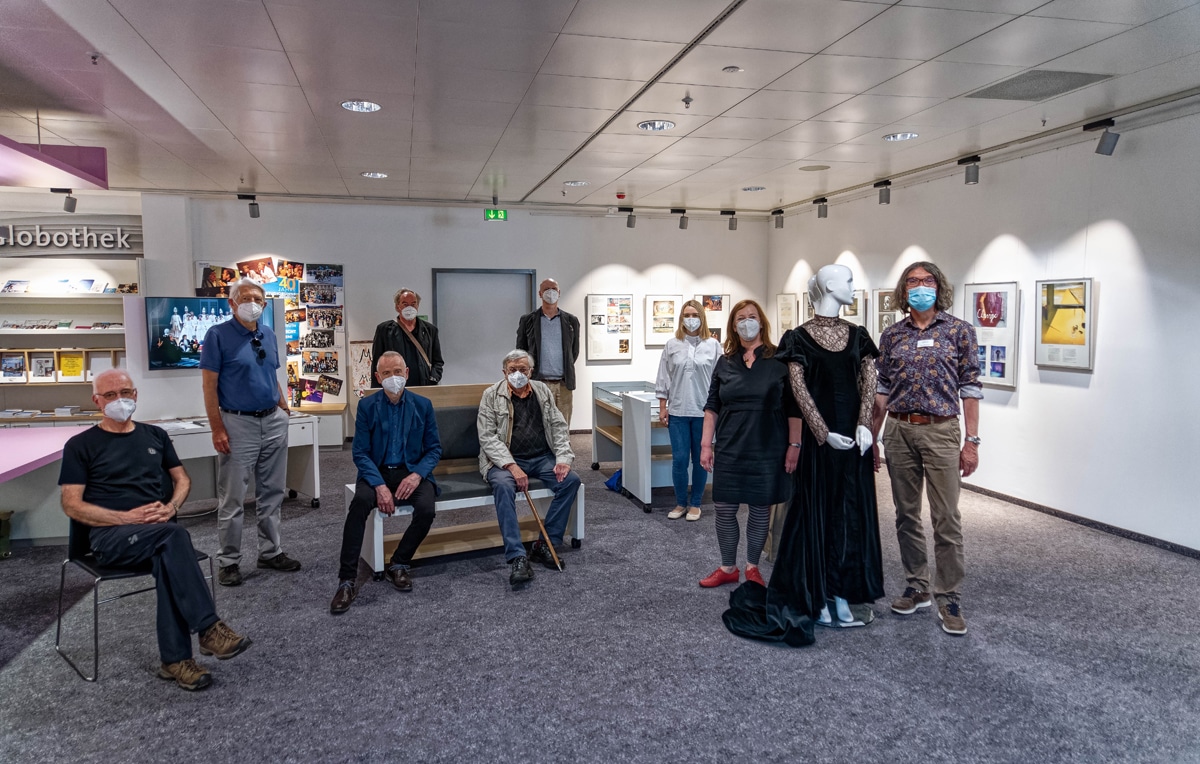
[[625, 429]]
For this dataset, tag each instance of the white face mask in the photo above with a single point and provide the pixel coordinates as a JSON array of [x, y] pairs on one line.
[[550, 296], [393, 384], [748, 328], [249, 311], [120, 410], [409, 313], [691, 323], [518, 380]]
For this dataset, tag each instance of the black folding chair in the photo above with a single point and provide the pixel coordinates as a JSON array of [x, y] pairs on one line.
[[79, 552]]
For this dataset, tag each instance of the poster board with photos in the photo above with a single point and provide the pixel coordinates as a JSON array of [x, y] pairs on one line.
[[716, 313], [317, 303], [662, 317], [994, 309], [609, 327], [786, 315], [886, 312], [1065, 336]]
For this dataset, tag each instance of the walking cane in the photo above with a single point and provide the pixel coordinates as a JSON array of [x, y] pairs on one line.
[[550, 544]]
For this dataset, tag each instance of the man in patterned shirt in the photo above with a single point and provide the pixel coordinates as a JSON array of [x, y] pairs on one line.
[[927, 364]]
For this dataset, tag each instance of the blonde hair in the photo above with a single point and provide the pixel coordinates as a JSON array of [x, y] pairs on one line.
[[733, 340], [704, 332]]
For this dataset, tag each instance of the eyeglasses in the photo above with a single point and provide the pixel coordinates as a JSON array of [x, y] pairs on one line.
[[522, 369], [112, 396], [256, 343], [913, 281]]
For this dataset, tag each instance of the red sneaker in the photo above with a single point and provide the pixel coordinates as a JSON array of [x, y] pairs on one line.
[[718, 577], [752, 574]]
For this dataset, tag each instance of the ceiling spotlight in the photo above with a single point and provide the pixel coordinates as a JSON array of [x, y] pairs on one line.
[[254, 211], [683, 218], [733, 69], [374, 175], [778, 218], [822, 207], [900, 136], [753, 189], [575, 183], [972, 172], [1108, 140], [630, 219], [885, 191], [361, 107], [732, 215], [69, 202], [656, 125]]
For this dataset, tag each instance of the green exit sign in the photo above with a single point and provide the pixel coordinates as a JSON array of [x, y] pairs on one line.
[[496, 214]]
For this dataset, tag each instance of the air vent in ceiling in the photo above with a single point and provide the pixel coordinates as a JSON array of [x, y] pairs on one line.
[[1038, 85]]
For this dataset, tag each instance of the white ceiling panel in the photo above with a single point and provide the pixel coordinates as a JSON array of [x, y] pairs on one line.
[[518, 139], [816, 131], [460, 151], [213, 22], [669, 161], [648, 143], [536, 15], [964, 112], [608, 159], [353, 74], [713, 147], [216, 94], [737, 127], [472, 84], [307, 30], [941, 79], [474, 45], [779, 104], [842, 74], [667, 98], [1151, 44], [703, 66], [225, 63], [455, 133], [916, 33], [788, 150], [458, 112], [994, 6], [802, 26], [627, 123], [661, 20], [607, 57], [533, 117], [1029, 41], [1112, 11], [583, 92], [877, 108]]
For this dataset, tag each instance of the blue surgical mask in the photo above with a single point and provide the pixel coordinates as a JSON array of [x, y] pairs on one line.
[[922, 298]]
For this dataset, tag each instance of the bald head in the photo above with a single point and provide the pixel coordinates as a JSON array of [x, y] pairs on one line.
[[111, 379]]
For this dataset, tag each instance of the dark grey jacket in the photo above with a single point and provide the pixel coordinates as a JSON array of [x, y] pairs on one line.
[[529, 339]]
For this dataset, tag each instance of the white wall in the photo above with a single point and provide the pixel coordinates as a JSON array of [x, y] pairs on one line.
[[385, 247], [1118, 444]]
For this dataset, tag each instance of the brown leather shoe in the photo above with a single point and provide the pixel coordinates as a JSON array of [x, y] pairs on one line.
[[187, 674], [222, 641], [346, 592], [399, 577]]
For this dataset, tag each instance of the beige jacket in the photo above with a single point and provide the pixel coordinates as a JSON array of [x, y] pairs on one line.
[[495, 426]]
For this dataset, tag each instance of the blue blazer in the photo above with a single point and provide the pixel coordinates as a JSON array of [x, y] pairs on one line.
[[422, 447]]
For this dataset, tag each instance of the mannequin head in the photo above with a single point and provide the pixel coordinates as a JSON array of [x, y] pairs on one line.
[[830, 289]]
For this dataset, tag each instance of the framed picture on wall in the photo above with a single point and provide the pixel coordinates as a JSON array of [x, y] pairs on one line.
[[662, 317], [609, 327], [785, 312], [716, 312], [1066, 324], [856, 311], [886, 311], [994, 310], [807, 311]]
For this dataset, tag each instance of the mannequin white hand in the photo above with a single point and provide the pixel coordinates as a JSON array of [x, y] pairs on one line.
[[864, 438], [840, 442]]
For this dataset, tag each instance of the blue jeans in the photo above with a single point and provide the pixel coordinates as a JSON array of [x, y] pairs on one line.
[[504, 491], [685, 446]]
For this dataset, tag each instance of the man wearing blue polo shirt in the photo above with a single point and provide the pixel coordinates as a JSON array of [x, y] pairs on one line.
[[248, 412]]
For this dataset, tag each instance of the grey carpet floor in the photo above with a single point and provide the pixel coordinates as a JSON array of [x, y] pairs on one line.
[[1082, 648]]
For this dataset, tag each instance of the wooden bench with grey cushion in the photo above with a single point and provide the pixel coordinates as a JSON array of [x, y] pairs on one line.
[[457, 475]]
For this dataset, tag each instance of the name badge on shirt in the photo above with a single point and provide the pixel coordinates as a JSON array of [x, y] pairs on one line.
[[924, 343]]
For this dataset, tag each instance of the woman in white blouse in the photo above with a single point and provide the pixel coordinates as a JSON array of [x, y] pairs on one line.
[[684, 375]]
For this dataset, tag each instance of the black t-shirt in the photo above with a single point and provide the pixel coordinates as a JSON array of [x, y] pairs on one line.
[[120, 471], [528, 432]]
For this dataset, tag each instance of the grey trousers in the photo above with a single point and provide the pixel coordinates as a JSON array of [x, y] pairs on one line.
[[258, 447]]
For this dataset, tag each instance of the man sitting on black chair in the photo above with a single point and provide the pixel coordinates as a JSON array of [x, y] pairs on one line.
[[115, 479]]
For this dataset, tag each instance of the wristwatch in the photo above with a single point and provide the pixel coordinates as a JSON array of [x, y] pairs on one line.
[[973, 439]]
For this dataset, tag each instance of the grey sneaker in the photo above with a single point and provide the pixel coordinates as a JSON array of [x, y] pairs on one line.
[[222, 641], [229, 575], [911, 601], [187, 674], [952, 619]]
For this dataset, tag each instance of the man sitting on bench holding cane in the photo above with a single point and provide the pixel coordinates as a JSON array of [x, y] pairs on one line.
[[521, 435]]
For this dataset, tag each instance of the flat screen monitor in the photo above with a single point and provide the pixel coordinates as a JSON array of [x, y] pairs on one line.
[[175, 328]]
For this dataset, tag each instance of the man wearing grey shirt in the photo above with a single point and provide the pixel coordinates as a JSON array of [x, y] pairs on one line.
[[551, 336]]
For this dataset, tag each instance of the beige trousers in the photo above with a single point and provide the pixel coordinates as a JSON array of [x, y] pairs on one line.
[[563, 398]]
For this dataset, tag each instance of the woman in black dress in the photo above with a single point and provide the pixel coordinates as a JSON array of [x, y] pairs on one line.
[[753, 418]]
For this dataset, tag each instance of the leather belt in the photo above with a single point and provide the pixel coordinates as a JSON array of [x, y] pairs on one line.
[[256, 414], [541, 379], [914, 418]]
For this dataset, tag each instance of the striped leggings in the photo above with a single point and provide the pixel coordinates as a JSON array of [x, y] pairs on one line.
[[729, 533]]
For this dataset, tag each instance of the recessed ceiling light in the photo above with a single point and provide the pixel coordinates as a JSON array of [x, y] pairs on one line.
[[374, 175], [814, 167], [656, 125], [733, 69], [900, 136], [575, 183], [754, 188], [361, 106]]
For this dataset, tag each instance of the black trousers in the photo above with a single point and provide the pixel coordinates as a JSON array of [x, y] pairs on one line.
[[184, 602], [421, 500]]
